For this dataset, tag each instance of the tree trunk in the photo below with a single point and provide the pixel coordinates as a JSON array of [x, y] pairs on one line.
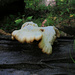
[[11, 7]]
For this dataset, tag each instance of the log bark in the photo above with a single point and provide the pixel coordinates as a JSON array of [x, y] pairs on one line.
[[67, 29], [28, 58]]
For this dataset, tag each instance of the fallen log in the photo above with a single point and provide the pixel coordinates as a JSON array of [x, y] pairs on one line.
[[28, 57], [67, 29]]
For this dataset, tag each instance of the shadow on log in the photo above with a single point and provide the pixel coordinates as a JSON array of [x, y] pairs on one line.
[[28, 58]]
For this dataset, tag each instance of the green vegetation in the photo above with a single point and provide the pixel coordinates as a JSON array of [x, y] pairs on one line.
[[62, 13], [73, 51]]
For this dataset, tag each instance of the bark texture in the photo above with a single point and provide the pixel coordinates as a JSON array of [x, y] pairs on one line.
[[28, 59]]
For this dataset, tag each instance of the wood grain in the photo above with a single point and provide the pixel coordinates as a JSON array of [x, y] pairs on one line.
[[28, 58]]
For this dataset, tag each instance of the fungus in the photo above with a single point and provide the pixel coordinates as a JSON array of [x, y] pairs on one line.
[[27, 34], [30, 32], [29, 23]]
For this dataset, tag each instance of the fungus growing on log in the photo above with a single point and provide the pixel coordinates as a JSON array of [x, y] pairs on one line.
[[30, 32]]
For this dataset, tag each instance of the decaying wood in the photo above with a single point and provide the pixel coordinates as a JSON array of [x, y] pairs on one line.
[[67, 29], [29, 58]]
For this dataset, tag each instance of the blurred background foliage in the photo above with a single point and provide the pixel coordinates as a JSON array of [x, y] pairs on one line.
[[62, 13]]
